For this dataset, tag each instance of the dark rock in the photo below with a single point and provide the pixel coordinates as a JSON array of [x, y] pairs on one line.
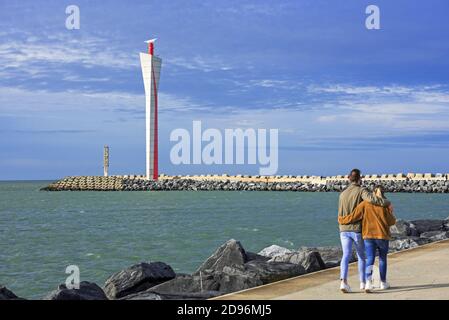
[[229, 254], [403, 243], [435, 235], [310, 260], [136, 278], [428, 225], [404, 228], [6, 294], [254, 256], [182, 287], [268, 271], [331, 255], [237, 277], [86, 291], [229, 279], [148, 295], [143, 295], [188, 284]]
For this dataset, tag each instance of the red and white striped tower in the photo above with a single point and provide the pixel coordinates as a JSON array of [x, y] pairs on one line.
[[151, 70]]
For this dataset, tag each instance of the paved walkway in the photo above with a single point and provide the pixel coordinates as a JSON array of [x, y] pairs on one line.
[[419, 273]]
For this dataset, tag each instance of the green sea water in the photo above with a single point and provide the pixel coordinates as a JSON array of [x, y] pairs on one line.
[[41, 233]]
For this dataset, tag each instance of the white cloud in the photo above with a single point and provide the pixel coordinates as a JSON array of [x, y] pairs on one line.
[[359, 90], [433, 97], [32, 55], [245, 9], [344, 89], [243, 86], [419, 93], [397, 108], [199, 63], [22, 102], [76, 78], [392, 108], [271, 83], [327, 118], [388, 117]]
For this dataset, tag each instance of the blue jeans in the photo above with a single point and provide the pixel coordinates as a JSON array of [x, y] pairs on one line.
[[347, 239], [371, 246]]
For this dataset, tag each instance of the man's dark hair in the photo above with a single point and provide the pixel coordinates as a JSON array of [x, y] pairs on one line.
[[354, 176]]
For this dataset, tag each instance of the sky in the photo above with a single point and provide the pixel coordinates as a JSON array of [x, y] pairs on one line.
[[340, 95]]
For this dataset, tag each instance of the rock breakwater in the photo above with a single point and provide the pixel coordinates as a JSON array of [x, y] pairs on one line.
[[423, 183]]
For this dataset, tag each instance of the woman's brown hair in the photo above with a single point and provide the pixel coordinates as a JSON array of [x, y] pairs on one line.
[[379, 191]]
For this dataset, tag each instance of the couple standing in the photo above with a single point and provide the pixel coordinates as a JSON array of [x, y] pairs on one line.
[[365, 219]]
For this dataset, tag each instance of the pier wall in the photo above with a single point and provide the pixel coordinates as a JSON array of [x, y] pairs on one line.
[[411, 182]]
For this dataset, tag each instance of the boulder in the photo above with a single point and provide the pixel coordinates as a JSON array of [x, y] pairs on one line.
[[404, 228], [136, 278], [230, 279], [188, 284], [399, 244], [310, 260], [274, 251], [331, 255], [271, 271], [148, 295], [236, 278], [143, 295], [250, 256], [229, 254], [182, 287], [6, 294], [426, 225], [435, 235], [86, 291]]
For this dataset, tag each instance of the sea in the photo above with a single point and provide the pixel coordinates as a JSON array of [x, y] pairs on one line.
[[41, 233]]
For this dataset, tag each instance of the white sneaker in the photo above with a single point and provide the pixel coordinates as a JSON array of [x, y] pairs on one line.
[[369, 286], [345, 288], [362, 286], [384, 285]]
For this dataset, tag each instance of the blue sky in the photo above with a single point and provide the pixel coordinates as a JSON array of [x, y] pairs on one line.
[[341, 96]]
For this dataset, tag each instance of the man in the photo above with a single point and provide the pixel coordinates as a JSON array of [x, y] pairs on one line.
[[352, 233]]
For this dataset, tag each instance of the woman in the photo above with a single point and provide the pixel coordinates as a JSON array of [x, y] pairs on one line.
[[376, 222]]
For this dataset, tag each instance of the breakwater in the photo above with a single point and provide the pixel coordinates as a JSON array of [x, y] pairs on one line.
[[412, 182]]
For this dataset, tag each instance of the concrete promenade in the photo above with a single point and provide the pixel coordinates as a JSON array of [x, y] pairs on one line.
[[418, 273]]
